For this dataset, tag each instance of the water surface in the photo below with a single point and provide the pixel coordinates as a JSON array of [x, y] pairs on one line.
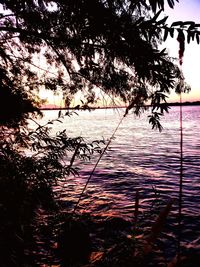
[[143, 159]]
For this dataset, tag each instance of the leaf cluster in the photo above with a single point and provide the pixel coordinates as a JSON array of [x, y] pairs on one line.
[[189, 29], [32, 163], [111, 45]]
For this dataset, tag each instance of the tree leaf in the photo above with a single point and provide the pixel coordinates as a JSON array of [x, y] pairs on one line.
[[162, 21], [188, 37], [189, 23], [177, 23], [171, 3], [191, 27], [197, 38], [156, 16], [165, 34], [171, 31], [153, 5]]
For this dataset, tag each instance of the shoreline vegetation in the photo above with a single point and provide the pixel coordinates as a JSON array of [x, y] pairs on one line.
[[84, 240], [78, 107]]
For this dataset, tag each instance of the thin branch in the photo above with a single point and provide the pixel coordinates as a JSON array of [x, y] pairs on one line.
[[2, 16]]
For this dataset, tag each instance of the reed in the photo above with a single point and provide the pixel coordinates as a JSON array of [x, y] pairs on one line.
[[136, 211], [159, 222]]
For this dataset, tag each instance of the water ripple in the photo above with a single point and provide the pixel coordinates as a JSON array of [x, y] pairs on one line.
[[140, 159]]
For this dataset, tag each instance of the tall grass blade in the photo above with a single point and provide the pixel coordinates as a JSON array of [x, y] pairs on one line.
[[136, 211], [159, 223]]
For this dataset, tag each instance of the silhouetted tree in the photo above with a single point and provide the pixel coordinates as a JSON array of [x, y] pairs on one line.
[[111, 45]]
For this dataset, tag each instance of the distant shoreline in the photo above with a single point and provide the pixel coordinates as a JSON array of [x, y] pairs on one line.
[[195, 103]]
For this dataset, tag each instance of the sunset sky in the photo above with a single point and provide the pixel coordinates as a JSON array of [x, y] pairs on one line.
[[186, 10]]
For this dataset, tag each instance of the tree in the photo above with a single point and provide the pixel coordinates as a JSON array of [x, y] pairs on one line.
[[112, 45]]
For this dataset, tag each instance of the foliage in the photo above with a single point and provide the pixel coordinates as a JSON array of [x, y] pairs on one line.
[[84, 45], [16, 102], [27, 182]]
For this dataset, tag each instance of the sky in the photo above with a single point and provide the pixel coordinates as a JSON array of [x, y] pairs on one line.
[[186, 10]]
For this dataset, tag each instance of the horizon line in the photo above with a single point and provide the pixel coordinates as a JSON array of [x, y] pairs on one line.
[[78, 107]]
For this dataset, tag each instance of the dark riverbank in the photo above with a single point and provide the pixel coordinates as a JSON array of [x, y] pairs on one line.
[[86, 241], [195, 103]]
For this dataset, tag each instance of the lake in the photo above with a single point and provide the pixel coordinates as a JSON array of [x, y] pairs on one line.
[[142, 159]]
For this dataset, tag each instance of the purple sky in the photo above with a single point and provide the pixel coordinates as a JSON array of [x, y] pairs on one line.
[[186, 10]]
